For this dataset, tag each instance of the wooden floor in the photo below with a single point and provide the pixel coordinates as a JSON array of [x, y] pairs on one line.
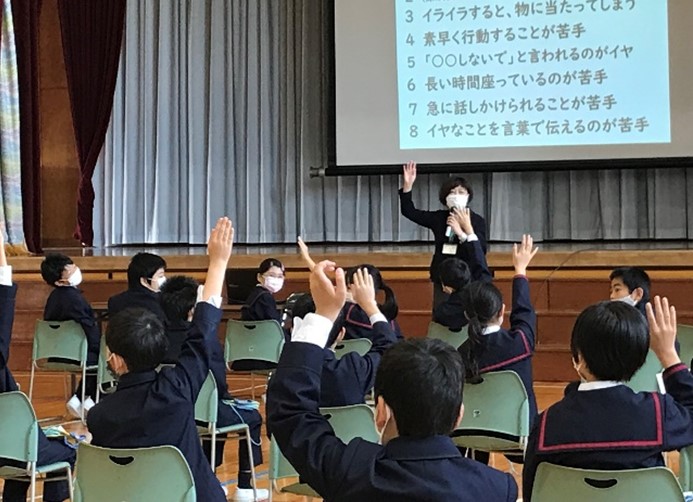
[[49, 402]]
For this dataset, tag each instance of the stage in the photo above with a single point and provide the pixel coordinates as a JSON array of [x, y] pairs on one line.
[[565, 278]]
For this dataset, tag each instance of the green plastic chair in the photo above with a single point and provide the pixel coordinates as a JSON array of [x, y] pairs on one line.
[[206, 410], [684, 335], [645, 379], [106, 382], [159, 473], [440, 332], [348, 422], [64, 340], [253, 340], [496, 414], [567, 484], [686, 468], [19, 441], [359, 345]]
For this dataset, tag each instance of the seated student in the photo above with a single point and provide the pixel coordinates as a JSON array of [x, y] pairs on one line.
[[347, 380], [630, 285], [150, 408], [490, 347], [178, 297], [49, 451], [65, 303], [601, 423], [419, 402], [145, 278]]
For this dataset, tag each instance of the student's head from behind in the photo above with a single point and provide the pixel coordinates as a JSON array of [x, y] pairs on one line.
[[454, 275], [178, 297], [136, 340], [270, 275], [60, 270], [630, 285], [418, 389], [304, 306], [455, 193], [389, 307], [610, 341], [146, 270]]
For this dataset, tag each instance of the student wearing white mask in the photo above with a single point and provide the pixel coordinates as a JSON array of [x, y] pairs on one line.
[[630, 285], [67, 303], [146, 275], [446, 224]]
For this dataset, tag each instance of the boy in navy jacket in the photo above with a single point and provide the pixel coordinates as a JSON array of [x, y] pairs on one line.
[[146, 275], [601, 423], [150, 408], [67, 303], [419, 402]]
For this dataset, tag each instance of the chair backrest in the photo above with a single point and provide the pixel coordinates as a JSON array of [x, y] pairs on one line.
[[19, 430], [259, 340], [440, 332], [207, 402], [684, 335], [645, 379], [64, 339], [159, 473], [686, 468], [359, 345], [553, 482], [496, 413], [354, 421], [103, 376]]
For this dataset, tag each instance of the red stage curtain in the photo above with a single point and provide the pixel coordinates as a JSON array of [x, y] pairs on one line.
[[92, 34], [25, 15]]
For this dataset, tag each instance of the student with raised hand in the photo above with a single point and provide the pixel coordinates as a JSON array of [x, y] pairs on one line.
[[455, 194], [151, 408], [146, 275], [490, 347], [601, 423], [419, 402], [49, 451], [67, 303]]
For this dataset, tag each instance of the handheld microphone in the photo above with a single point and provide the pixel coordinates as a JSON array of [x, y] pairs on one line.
[[449, 231]]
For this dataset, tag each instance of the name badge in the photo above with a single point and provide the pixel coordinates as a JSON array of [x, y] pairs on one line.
[[450, 249]]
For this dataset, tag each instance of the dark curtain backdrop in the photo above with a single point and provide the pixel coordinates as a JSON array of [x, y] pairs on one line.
[[92, 33], [26, 22]]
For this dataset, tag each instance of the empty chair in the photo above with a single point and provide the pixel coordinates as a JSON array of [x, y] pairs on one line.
[[684, 335], [359, 345], [440, 332], [645, 379]]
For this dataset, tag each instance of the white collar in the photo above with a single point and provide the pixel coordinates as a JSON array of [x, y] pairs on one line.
[[598, 385], [491, 329]]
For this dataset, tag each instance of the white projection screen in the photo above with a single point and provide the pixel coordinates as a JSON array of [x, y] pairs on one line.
[[513, 82]]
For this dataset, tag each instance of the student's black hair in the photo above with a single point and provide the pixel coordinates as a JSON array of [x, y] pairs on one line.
[[454, 273], [178, 297], [613, 339], [483, 301], [52, 267], [143, 265], [303, 306], [633, 278], [137, 335], [389, 308], [268, 264], [421, 380], [451, 183]]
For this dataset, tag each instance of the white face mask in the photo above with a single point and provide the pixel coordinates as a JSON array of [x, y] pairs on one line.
[[627, 300], [273, 284], [160, 281], [456, 200], [381, 432], [76, 278]]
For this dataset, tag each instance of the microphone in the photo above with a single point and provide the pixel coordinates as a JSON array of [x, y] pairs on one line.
[[449, 232]]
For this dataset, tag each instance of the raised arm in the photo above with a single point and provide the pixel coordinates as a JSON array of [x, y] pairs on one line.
[[478, 267], [523, 317], [8, 291], [409, 211]]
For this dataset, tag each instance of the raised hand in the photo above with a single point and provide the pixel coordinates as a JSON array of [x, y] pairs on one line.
[[305, 255], [363, 291], [220, 243], [662, 319], [409, 171], [3, 256], [464, 218], [523, 254], [329, 298]]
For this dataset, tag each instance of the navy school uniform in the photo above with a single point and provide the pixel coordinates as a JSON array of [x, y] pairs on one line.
[[450, 313], [512, 349], [406, 469], [137, 297], [152, 409], [347, 380], [358, 325], [49, 451], [260, 306], [612, 428]]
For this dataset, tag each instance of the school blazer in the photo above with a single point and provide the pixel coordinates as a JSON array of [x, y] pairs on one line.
[[152, 409], [138, 297], [260, 306], [406, 469], [67, 303], [512, 349], [7, 301], [358, 324], [613, 428], [347, 380]]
